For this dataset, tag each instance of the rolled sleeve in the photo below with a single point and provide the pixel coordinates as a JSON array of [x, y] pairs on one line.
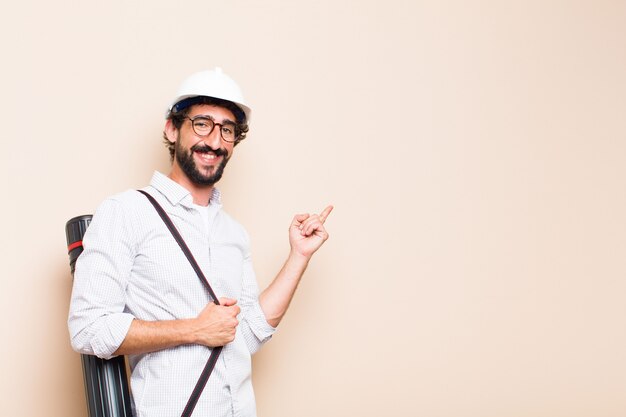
[[97, 320], [255, 328], [104, 336]]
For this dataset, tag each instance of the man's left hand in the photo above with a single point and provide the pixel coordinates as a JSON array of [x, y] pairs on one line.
[[307, 232]]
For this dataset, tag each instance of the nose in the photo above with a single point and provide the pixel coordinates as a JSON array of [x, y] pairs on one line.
[[214, 139]]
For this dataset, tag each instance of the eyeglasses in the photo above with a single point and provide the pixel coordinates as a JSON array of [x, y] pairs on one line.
[[203, 126]]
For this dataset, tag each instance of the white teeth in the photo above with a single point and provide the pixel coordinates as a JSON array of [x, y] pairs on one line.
[[207, 155]]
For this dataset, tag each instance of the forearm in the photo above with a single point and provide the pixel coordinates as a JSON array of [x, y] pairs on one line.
[[216, 325], [150, 336], [306, 235], [275, 299]]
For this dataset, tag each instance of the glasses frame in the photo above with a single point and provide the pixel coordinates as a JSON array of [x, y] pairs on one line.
[[193, 126]]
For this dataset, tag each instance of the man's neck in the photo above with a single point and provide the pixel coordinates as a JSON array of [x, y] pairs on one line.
[[201, 194]]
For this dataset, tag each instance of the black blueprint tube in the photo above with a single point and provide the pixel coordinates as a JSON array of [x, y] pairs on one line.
[[106, 382]]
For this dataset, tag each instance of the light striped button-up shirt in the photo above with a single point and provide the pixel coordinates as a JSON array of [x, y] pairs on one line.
[[132, 267]]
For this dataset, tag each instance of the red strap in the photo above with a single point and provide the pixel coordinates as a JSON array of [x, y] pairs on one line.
[[74, 245]]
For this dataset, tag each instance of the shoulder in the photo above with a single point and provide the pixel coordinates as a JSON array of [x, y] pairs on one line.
[[121, 210], [127, 201], [128, 198], [115, 222]]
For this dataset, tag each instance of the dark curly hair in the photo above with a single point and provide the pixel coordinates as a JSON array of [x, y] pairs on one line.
[[177, 118]]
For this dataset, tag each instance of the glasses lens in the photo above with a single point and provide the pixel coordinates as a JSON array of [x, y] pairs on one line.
[[228, 132], [202, 126]]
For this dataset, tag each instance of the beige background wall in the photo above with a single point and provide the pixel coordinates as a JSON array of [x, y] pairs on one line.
[[475, 152]]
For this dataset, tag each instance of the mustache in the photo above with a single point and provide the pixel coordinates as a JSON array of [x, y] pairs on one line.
[[203, 147]]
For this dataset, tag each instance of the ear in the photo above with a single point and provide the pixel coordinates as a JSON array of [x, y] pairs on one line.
[[170, 131]]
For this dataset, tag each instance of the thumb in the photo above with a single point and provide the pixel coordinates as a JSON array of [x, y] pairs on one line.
[[227, 302]]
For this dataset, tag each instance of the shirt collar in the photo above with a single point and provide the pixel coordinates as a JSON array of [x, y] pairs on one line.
[[176, 193]]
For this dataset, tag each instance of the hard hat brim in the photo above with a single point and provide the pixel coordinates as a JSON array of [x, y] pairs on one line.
[[187, 101]]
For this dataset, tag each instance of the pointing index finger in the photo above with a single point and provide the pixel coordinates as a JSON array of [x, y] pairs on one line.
[[324, 214]]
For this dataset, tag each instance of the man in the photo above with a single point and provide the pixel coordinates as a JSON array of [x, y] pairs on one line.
[[136, 294]]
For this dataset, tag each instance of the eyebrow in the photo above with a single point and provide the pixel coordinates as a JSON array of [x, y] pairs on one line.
[[208, 116]]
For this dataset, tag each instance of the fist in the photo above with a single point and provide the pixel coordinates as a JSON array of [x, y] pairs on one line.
[[307, 232], [216, 325]]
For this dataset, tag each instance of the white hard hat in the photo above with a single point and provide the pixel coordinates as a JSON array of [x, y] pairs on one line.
[[213, 83]]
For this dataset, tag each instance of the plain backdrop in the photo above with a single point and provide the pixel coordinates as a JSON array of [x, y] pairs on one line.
[[475, 152]]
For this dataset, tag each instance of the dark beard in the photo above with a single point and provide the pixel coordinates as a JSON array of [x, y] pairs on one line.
[[189, 167]]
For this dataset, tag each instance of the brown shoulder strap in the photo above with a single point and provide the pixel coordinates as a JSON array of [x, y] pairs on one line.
[[215, 353]]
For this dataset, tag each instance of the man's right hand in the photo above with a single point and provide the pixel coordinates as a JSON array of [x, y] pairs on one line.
[[216, 325]]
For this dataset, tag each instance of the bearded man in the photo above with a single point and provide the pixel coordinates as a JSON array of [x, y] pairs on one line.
[[136, 293]]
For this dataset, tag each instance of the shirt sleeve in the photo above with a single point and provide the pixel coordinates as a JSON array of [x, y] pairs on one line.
[[254, 326], [97, 319]]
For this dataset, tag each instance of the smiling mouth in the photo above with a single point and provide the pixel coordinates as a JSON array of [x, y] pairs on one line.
[[206, 156]]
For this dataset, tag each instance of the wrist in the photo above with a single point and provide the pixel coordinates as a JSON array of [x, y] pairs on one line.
[[189, 331], [297, 258]]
